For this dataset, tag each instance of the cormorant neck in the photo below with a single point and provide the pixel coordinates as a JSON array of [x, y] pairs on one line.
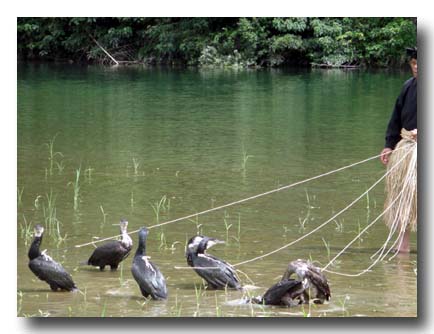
[[126, 240], [141, 249], [34, 251], [202, 247]]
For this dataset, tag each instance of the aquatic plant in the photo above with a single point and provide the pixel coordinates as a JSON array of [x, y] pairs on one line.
[[104, 215], [359, 232], [52, 154], [244, 159], [88, 174], [162, 205], [218, 311], [121, 274], [339, 224], [227, 226], [238, 237], [136, 165], [20, 195], [198, 226], [60, 167], [36, 202], [104, 308], [172, 247], [76, 187], [302, 222], [198, 294], [308, 313], [177, 308], [50, 217], [309, 207], [49, 211], [367, 203], [84, 294], [342, 302], [20, 302], [26, 230], [327, 246], [162, 238], [310, 200], [40, 313], [247, 295]]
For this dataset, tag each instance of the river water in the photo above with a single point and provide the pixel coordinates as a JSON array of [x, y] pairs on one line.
[[98, 144]]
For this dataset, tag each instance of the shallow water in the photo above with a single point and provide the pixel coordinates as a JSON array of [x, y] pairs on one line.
[[139, 134]]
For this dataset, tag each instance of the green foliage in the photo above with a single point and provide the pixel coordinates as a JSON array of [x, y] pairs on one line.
[[220, 42], [296, 24]]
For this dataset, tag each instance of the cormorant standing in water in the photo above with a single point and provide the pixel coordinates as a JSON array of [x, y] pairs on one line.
[[288, 292], [45, 268], [112, 252], [147, 275], [317, 287], [217, 273]]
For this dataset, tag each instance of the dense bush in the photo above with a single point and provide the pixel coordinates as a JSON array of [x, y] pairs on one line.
[[240, 42]]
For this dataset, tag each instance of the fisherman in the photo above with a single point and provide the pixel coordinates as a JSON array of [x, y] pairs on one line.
[[401, 134]]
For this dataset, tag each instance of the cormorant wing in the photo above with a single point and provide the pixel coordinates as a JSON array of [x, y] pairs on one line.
[[149, 278], [274, 295], [158, 282], [318, 280], [223, 276], [50, 271], [111, 249]]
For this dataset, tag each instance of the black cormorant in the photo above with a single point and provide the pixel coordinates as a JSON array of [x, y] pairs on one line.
[[317, 287], [45, 268], [112, 252], [147, 275], [217, 273], [288, 292]]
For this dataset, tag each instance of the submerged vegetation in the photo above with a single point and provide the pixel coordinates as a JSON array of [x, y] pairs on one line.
[[219, 42]]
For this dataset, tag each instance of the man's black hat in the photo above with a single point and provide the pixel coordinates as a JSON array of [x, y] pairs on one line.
[[412, 53]]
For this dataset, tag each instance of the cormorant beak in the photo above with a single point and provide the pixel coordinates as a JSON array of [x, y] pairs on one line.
[[212, 242], [38, 230]]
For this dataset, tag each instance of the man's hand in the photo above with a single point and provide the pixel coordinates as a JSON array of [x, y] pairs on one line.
[[385, 153], [414, 134]]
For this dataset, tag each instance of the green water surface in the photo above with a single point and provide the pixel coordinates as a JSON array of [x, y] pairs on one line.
[[126, 138]]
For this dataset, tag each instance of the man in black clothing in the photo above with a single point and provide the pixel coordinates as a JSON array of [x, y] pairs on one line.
[[404, 116], [405, 112]]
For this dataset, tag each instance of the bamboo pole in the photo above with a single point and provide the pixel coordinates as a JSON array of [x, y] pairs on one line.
[[105, 51]]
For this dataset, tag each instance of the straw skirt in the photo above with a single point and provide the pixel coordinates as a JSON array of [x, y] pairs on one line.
[[401, 185]]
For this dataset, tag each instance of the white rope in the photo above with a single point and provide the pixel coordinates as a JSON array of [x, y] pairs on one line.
[[242, 200], [326, 222], [357, 237], [383, 247]]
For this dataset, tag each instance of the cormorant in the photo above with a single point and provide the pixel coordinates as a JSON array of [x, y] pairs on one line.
[[112, 252], [317, 287], [45, 268], [147, 275], [217, 273], [288, 292]]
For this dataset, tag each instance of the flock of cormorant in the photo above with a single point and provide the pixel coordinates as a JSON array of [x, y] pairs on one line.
[[309, 284]]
